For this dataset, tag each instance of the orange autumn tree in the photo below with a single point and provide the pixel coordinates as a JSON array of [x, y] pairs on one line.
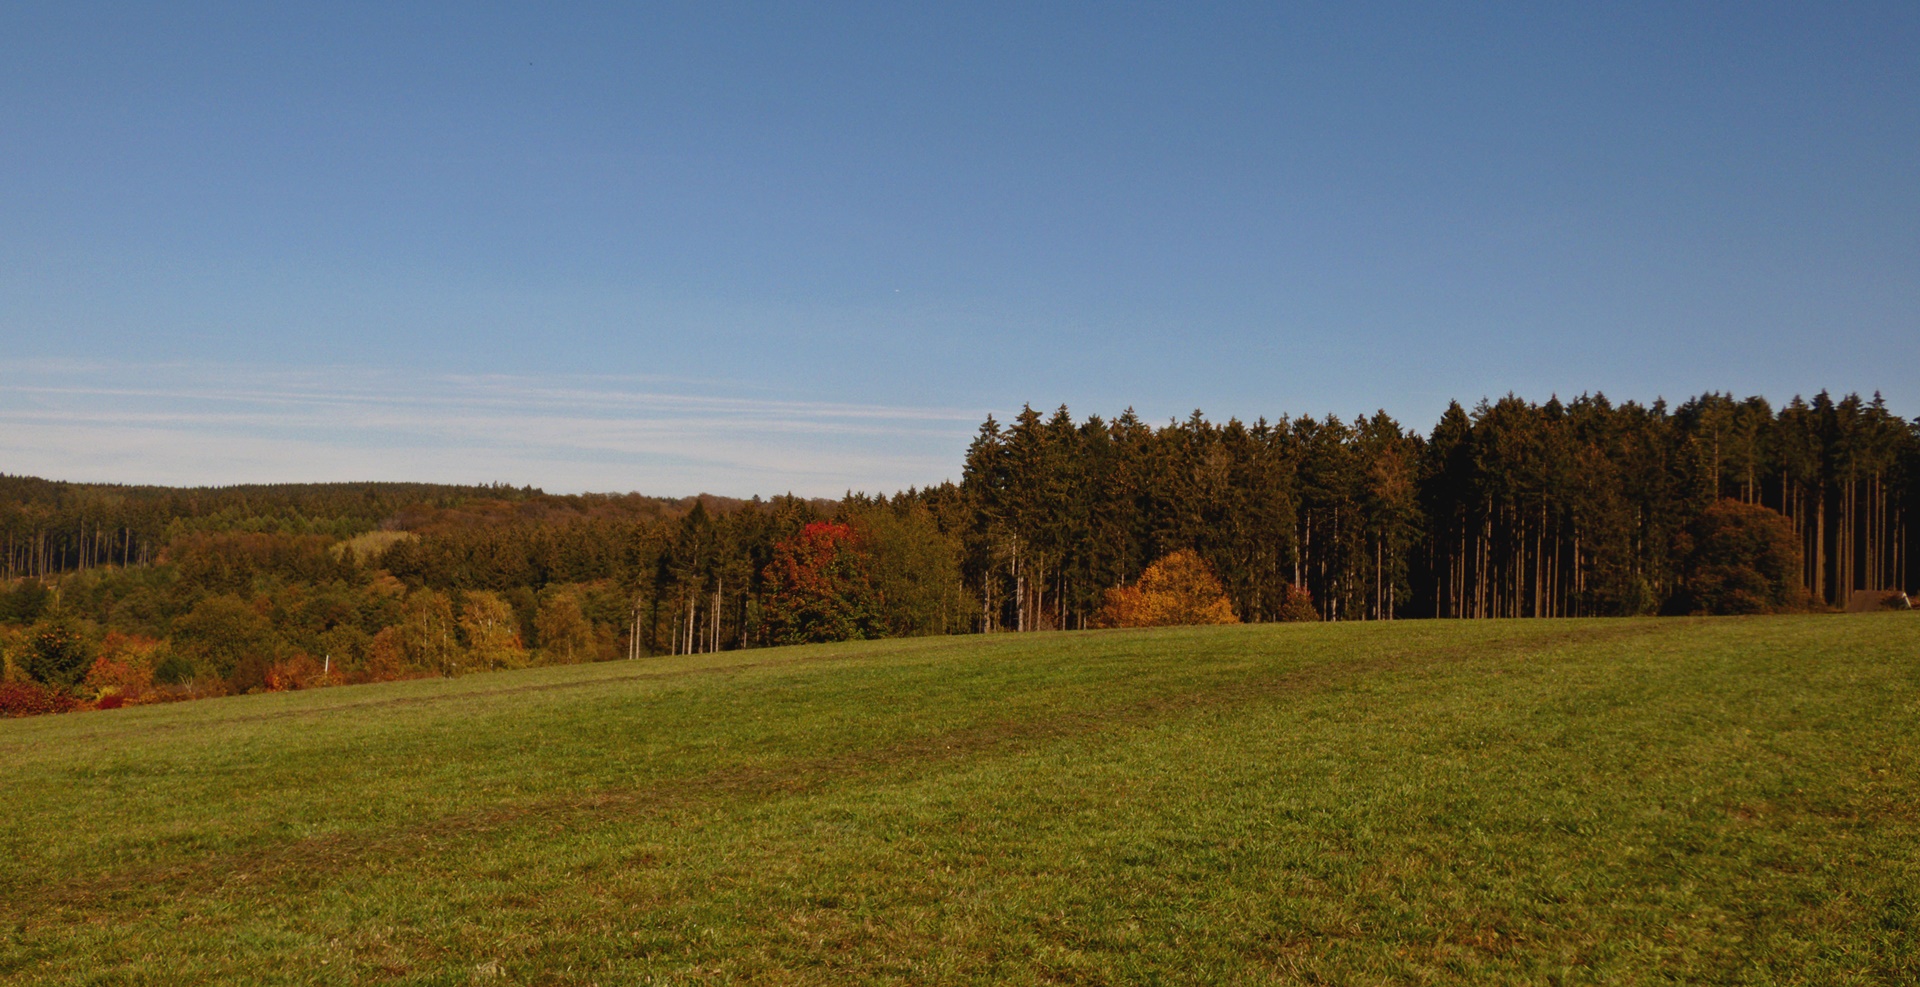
[[122, 672], [1179, 589]]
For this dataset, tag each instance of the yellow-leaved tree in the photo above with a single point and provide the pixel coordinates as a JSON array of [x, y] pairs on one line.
[[1179, 589], [566, 635], [493, 634]]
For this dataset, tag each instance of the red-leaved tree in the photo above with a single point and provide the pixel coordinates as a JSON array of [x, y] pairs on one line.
[[819, 587]]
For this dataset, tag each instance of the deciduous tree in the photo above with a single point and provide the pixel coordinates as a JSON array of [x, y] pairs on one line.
[[1178, 589], [819, 587]]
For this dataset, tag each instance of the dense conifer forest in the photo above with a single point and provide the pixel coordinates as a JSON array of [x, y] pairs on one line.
[[1508, 509]]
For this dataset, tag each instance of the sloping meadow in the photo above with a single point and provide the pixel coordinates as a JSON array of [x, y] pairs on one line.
[[1492, 801]]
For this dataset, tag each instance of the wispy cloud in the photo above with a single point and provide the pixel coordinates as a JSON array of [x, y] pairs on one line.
[[200, 424]]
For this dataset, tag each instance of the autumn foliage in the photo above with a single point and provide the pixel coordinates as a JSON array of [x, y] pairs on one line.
[[298, 672], [820, 587], [1298, 606], [123, 671], [125, 594], [32, 699], [1179, 589], [1742, 558]]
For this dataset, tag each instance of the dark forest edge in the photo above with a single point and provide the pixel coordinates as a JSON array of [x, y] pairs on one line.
[[119, 594]]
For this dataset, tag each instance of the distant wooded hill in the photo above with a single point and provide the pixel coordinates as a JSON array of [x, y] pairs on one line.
[[1510, 509]]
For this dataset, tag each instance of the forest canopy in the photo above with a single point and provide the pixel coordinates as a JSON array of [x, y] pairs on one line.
[[1508, 509]]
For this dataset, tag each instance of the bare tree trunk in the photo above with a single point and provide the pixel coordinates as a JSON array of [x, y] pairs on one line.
[[1459, 603], [1820, 548], [1019, 591], [1579, 576], [1480, 568], [1543, 567], [1877, 551], [1847, 541]]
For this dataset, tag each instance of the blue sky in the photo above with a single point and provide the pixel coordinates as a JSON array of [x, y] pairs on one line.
[[752, 248]]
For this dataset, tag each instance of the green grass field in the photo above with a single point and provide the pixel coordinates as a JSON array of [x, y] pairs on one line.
[[1525, 802]]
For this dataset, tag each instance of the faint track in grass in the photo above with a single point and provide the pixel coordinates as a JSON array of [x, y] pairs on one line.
[[260, 869]]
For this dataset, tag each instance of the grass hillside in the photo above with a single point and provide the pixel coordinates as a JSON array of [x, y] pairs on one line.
[[1516, 802]]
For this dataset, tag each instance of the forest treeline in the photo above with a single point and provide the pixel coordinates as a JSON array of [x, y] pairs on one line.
[[1512, 509], [1508, 509]]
